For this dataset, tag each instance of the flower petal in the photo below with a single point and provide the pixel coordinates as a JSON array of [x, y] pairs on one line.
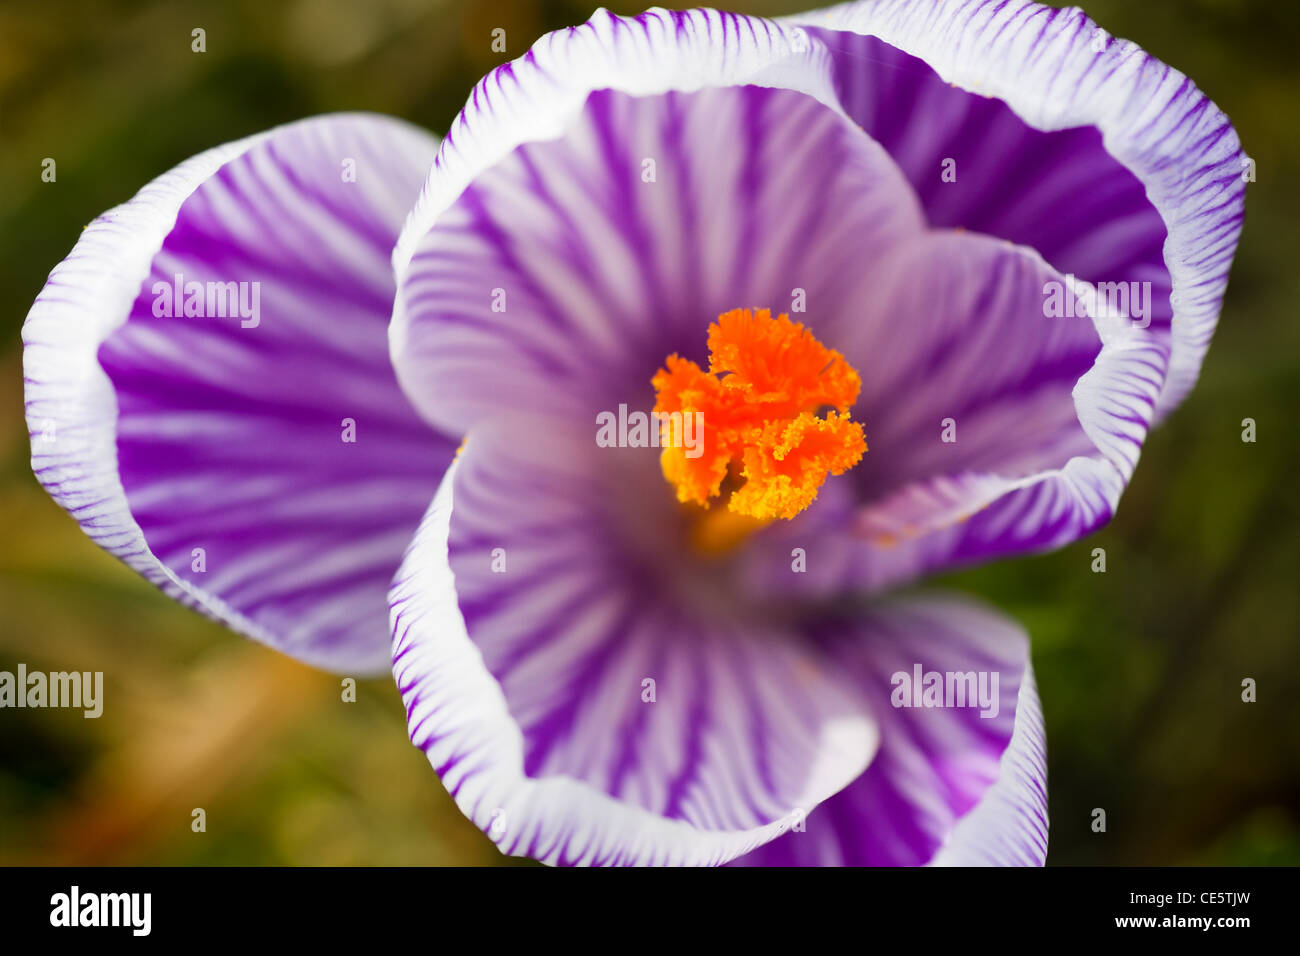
[[992, 428], [587, 260], [983, 83], [950, 785], [535, 97], [209, 451], [551, 93], [576, 709]]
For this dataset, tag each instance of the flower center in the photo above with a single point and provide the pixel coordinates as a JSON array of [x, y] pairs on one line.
[[756, 423]]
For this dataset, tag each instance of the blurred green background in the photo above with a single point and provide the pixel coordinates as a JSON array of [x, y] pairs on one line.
[[1140, 668]]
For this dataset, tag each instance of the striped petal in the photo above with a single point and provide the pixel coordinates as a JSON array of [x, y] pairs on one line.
[[535, 97], [1114, 166], [961, 776], [564, 275], [209, 390], [584, 704], [993, 429]]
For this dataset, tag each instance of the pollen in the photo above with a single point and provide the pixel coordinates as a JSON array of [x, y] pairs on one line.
[[773, 409]]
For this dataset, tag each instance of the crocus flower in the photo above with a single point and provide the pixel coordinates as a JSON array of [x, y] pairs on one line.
[[924, 273]]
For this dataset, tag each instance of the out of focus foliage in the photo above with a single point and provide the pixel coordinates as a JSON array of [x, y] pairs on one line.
[[1140, 668]]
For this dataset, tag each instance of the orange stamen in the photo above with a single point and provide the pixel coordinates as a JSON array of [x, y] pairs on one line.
[[758, 410]]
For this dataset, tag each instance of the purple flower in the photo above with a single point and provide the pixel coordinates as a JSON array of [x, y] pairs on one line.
[[1007, 233]]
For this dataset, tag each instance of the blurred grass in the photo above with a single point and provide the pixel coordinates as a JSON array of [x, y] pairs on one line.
[[1139, 668]]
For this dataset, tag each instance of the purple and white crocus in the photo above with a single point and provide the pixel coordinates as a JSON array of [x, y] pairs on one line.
[[407, 328]]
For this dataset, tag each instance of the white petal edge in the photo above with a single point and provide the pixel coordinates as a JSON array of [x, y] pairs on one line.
[[1008, 827]]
